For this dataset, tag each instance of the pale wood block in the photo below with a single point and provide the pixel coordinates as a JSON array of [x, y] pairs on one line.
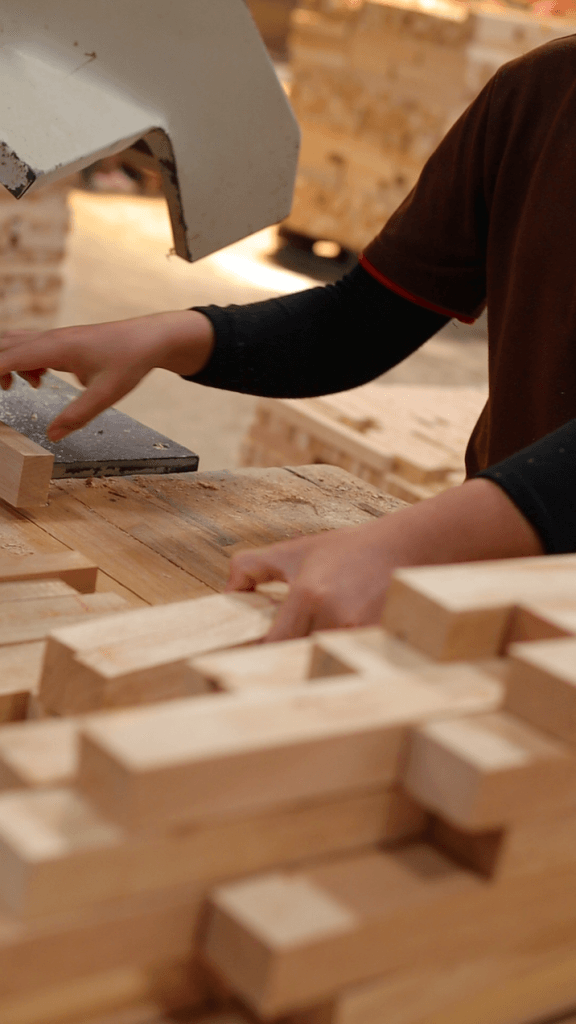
[[57, 853], [368, 649], [70, 566], [270, 665], [487, 771], [26, 469], [126, 933], [27, 621], [43, 753], [20, 668], [541, 685], [287, 941], [464, 611], [508, 989], [84, 998], [543, 620], [141, 656], [28, 590], [190, 759]]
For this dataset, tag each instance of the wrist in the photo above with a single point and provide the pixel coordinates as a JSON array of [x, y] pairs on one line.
[[187, 341]]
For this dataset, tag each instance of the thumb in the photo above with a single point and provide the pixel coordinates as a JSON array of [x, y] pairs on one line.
[[101, 393]]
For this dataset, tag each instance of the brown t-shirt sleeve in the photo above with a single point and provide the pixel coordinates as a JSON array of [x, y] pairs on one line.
[[433, 247]]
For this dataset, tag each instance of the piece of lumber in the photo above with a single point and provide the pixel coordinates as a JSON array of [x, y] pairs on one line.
[[29, 590], [43, 753], [20, 668], [70, 566], [26, 469], [368, 649], [541, 685], [27, 621], [464, 611], [512, 988], [542, 620], [84, 998], [141, 656], [50, 951], [57, 853], [486, 771], [269, 665], [189, 759], [286, 941]]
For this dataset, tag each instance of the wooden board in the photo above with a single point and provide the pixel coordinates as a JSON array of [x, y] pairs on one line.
[[70, 566], [141, 656], [186, 760], [43, 753], [58, 854], [26, 469], [486, 771], [541, 685], [464, 611], [28, 621]]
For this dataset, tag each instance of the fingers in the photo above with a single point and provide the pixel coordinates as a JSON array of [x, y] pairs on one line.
[[102, 392], [250, 568]]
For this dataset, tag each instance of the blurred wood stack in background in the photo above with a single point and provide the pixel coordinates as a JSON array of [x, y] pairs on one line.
[[408, 440]]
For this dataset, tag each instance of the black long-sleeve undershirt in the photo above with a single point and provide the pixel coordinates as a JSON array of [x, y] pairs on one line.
[[339, 336]]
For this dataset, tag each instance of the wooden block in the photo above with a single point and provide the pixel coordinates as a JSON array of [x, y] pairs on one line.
[[487, 771], [84, 998], [70, 566], [141, 657], [28, 621], [369, 649], [464, 611], [26, 469], [58, 854], [41, 753], [191, 759], [55, 950], [286, 941], [29, 590], [541, 685], [542, 620], [268, 665]]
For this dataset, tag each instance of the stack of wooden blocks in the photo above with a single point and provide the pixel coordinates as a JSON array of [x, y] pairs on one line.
[[363, 826], [409, 440]]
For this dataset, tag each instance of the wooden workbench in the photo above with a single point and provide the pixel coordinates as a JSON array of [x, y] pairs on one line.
[[158, 539]]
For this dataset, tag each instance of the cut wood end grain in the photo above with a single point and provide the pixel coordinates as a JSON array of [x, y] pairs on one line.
[[25, 469]]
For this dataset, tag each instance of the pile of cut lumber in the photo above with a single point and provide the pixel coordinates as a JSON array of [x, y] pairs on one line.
[[362, 826], [408, 440]]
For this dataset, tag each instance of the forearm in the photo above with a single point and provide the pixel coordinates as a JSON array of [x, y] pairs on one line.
[[314, 342]]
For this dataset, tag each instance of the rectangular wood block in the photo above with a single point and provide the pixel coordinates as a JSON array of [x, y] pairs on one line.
[[43, 753], [284, 941], [26, 469], [541, 685], [486, 771], [57, 853], [29, 590], [196, 758], [29, 621], [269, 665], [70, 566], [142, 656], [464, 611]]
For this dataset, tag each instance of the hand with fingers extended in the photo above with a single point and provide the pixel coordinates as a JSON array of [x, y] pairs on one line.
[[340, 578], [108, 359]]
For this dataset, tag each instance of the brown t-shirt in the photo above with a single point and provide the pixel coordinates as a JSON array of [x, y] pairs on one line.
[[492, 221]]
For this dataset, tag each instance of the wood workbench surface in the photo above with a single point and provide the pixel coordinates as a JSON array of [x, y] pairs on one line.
[[158, 539]]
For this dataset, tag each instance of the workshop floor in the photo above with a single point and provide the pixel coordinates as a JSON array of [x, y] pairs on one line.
[[119, 265]]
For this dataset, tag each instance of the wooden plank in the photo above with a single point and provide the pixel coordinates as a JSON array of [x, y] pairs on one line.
[[83, 998], [196, 758], [369, 649], [28, 590], [70, 566], [26, 469], [287, 941], [141, 657], [401, 911], [269, 665], [54, 950], [58, 854], [20, 668], [43, 753], [541, 685], [28, 621], [464, 611], [486, 771]]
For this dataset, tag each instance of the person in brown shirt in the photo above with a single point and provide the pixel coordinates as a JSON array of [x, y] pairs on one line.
[[491, 222]]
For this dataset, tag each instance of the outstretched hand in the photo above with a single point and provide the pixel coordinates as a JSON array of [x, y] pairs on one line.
[[108, 359], [335, 579]]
